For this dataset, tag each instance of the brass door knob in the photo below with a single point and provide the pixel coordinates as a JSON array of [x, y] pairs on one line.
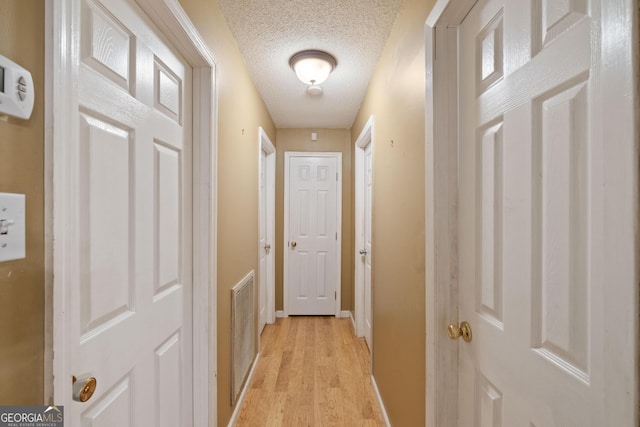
[[464, 331], [84, 388], [294, 244]]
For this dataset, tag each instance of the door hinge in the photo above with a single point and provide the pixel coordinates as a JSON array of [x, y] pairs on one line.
[[336, 176], [335, 296], [336, 235]]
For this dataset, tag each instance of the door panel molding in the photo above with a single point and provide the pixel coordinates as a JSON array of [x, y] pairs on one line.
[[286, 281]]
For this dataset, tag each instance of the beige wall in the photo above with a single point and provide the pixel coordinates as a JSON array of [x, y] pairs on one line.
[[240, 113], [396, 97], [337, 140], [22, 171]]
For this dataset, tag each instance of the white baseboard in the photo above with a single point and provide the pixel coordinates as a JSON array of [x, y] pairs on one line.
[[343, 314], [385, 416], [353, 323], [243, 394]]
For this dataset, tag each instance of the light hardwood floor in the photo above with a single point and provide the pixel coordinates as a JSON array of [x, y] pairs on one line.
[[312, 371]]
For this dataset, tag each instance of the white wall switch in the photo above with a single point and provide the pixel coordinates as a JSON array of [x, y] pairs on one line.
[[12, 227]]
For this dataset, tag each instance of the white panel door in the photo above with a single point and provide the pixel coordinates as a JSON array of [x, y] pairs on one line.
[[368, 193], [264, 246], [133, 294], [530, 216], [312, 234], [363, 177]]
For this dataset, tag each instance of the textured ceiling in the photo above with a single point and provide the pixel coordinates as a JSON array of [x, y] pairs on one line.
[[268, 32]]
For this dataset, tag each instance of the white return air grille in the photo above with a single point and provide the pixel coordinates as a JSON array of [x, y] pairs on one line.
[[243, 348]]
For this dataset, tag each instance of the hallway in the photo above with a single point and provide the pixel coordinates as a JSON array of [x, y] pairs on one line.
[[312, 371], [482, 230]]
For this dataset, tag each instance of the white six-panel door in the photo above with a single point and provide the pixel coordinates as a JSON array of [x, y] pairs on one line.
[[368, 255], [531, 224], [363, 238], [266, 238], [312, 183], [131, 303], [264, 244]]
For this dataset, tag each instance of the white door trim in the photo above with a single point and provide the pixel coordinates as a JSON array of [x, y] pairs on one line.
[[364, 139], [440, 212], [441, 199], [62, 62], [264, 143], [285, 286]]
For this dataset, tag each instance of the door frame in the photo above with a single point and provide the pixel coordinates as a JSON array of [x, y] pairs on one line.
[[441, 191], [285, 282], [264, 143], [365, 139], [61, 62]]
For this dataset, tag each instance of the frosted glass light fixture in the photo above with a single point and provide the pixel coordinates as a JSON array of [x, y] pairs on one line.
[[313, 66]]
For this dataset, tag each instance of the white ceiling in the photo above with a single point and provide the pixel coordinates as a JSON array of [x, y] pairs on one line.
[[269, 32]]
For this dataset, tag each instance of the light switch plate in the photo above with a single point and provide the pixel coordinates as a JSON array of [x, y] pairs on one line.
[[12, 244]]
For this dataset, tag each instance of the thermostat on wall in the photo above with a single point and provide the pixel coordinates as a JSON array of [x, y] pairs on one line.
[[16, 90]]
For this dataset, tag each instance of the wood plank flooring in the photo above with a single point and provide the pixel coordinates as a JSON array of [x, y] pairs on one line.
[[312, 372]]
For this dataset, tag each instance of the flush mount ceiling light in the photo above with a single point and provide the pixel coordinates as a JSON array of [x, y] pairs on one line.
[[313, 66]]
